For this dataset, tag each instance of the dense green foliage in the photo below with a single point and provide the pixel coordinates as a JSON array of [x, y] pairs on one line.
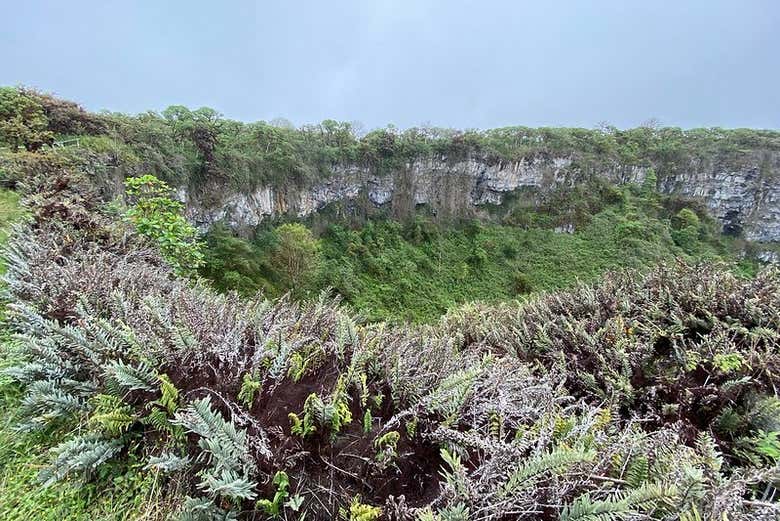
[[158, 217], [419, 269], [184, 146], [22, 121]]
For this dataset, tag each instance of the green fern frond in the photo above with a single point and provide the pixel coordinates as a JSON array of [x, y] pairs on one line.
[[638, 471], [556, 461], [249, 387], [204, 509], [620, 505], [585, 509], [132, 378], [79, 455], [168, 462], [169, 394], [110, 415], [227, 483]]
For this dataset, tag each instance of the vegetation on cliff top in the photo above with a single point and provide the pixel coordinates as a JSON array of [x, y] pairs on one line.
[[184, 146]]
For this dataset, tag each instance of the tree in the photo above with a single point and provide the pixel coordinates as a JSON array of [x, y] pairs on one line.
[[158, 217], [296, 255], [649, 185], [202, 128], [66, 117], [22, 121], [686, 226], [232, 263]]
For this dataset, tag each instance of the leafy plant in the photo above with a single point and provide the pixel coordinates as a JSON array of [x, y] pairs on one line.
[[249, 387], [386, 446], [358, 511], [282, 499], [160, 218]]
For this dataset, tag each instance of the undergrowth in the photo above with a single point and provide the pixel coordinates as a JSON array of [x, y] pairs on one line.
[[122, 492], [643, 395], [417, 270], [131, 391]]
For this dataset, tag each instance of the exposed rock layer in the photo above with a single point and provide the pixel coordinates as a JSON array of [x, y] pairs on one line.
[[744, 194]]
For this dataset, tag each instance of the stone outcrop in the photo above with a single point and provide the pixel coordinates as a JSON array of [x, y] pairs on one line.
[[744, 195]]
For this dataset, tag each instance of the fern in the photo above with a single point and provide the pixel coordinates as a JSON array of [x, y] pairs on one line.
[[358, 511], [225, 449], [368, 421], [620, 506], [455, 475], [132, 378], [585, 509], [333, 414], [169, 394], [457, 512], [281, 359], [452, 392], [81, 455], [312, 408], [227, 483], [168, 463], [386, 446], [764, 413], [275, 506], [556, 461], [709, 453], [298, 366], [203, 509], [46, 401], [159, 420], [110, 415], [638, 471], [249, 387]]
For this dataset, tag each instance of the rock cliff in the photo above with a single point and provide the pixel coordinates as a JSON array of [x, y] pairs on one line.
[[744, 195]]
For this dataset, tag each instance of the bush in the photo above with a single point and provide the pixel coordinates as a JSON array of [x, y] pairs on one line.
[[521, 284], [156, 216], [22, 121]]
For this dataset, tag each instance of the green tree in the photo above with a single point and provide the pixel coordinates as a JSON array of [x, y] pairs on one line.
[[685, 230], [22, 121], [233, 263], [156, 216], [296, 255], [650, 183], [685, 218]]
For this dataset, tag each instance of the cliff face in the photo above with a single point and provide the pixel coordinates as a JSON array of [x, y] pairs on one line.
[[743, 194]]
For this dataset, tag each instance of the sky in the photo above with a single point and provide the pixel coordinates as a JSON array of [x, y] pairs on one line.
[[451, 63]]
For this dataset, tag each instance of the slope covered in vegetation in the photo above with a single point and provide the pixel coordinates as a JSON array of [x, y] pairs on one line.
[[646, 394], [418, 269], [639, 396]]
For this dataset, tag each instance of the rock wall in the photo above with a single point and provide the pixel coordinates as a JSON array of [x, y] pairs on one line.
[[744, 195]]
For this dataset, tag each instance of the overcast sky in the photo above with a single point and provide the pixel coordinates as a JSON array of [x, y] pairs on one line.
[[466, 64]]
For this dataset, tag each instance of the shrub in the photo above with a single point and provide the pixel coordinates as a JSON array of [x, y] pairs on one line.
[[156, 216], [521, 283], [22, 121]]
